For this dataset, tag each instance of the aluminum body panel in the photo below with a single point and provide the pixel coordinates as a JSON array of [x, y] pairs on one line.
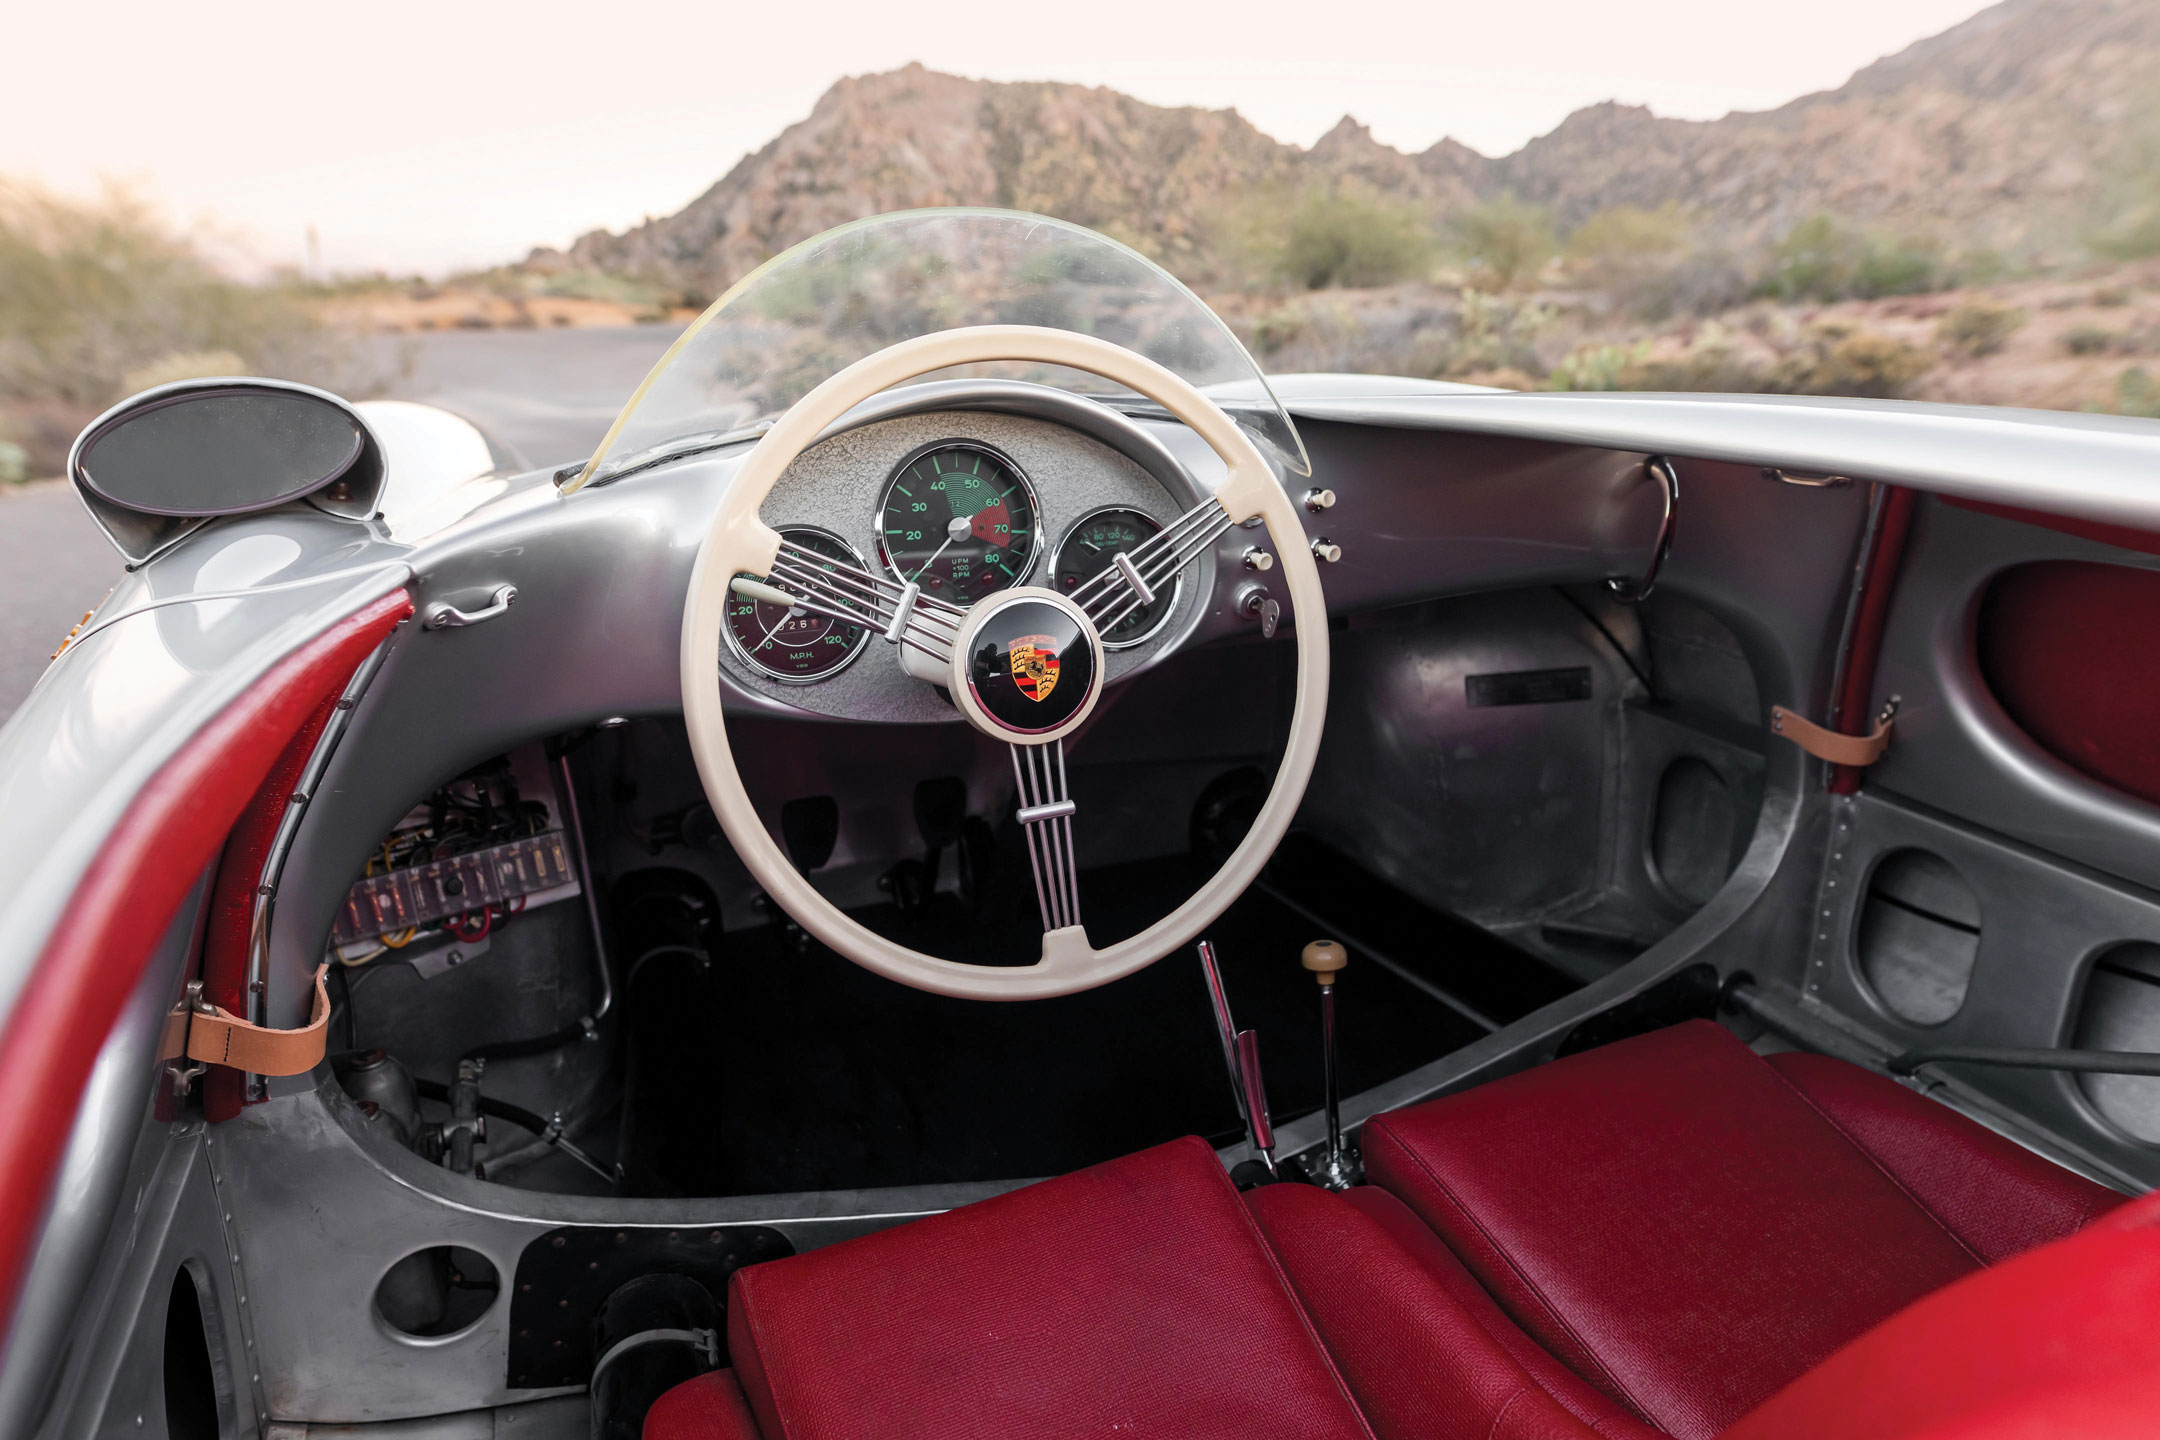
[[329, 1206], [114, 707], [63, 1306], [1954, 747], [2042, 923], [2100, 467]]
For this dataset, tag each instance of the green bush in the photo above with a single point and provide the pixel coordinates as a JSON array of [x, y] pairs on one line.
[[1823, 259], [2091, 340], [1599, 367], [1505, 242], [1493, 332], [1979, 327], [2138, 393], [92, 292], [1353, 237], [1840, 358]]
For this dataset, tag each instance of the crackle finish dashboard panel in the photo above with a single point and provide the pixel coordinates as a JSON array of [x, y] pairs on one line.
[[1045, 502]]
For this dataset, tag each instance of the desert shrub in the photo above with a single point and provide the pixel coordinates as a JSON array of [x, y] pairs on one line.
[[1494, 332], [1710, 362], [1622, 249], [1274, 329], [2090, 340], [91, 293], [2137, 392], [1598, 367], [2111, 297], [14, 459], [1824, 259], [1978, 327], [1350, 235], [1837, 357], [1655, 263], [1504, 242]]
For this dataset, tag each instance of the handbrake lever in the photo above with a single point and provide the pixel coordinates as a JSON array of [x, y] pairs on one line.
[[1241, 1056]]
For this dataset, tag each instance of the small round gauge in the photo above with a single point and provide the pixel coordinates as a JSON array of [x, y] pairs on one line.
[[795, 647], [958, 519], [1088, 549]]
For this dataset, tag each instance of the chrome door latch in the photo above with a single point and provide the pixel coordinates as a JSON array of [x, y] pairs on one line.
[[449, 617]]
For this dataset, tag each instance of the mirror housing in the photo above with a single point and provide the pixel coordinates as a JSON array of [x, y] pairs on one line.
[[160, 464]]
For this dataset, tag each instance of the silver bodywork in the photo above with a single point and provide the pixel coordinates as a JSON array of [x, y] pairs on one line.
[[1443, 495]]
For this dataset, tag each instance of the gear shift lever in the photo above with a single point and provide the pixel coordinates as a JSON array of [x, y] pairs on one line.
[[1241, 1054], [1338, 1169]]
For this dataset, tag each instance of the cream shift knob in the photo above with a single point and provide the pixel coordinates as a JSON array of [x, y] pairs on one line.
[[1324, 958]]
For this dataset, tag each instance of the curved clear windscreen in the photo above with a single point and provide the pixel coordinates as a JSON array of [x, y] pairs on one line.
[[809, 312]]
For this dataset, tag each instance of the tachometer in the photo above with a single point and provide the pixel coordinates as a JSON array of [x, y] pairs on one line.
[[1087, 550], [795, 647], [958, 519]]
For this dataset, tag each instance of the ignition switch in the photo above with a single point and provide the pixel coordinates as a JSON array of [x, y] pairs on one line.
[[1255, 603]]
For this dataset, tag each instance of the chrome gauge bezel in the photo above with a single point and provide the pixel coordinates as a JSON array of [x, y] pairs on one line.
[[779, 677], [1177, 584], [959, 442]]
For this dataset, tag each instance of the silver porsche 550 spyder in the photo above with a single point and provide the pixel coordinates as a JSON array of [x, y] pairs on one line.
[[1519, 915]]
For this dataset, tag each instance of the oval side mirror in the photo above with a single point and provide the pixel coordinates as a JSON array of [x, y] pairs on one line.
[[222, 451]]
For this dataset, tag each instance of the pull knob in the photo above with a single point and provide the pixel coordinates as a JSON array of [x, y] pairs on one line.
[[1258, 559], [1326, 551], [1324, 958], [1318, 499]]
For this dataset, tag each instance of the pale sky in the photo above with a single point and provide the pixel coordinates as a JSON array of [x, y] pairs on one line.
[[435, 136]]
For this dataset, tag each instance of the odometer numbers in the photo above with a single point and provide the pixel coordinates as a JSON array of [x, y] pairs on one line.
[[1087, 550], [795, 647], [958, 519]]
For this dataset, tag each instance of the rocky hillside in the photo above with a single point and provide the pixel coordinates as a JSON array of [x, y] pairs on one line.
[[2012, 131]]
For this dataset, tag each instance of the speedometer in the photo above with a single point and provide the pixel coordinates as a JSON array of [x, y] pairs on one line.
[[958, 519], [795, 647]]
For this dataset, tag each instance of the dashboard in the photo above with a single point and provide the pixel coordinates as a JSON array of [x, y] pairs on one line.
[[965, 504]]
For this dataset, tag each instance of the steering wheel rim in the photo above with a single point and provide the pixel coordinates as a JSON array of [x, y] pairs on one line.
[[738, 541]]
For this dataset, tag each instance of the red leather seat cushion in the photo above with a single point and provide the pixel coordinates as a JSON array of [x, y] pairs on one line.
[[1996, 1196], [1688, 1228], [710, 1407], [1427, 1353], [1136, 1298], [2061, 1342]]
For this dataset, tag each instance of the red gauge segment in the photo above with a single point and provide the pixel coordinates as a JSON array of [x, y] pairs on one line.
[[958, 519]]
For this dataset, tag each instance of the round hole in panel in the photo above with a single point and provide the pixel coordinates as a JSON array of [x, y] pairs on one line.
[[1919, 933], [1691, 830], [437, 1291], [2121, 1011]]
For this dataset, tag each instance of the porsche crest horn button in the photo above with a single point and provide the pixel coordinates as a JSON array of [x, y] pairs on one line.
[[1034, 665], [1031, 664]]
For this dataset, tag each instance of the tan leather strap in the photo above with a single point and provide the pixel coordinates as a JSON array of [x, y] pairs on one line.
[[216, 1036], [1859, 751]]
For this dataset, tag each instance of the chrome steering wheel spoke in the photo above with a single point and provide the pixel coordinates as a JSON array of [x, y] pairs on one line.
[[1046, 816], [1136, 577], [848, 593]]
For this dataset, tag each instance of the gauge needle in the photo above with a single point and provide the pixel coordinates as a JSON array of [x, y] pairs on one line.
[[772, 632], [957, 529]]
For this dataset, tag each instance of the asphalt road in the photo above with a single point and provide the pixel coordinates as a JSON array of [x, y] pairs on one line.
[[547, 394]]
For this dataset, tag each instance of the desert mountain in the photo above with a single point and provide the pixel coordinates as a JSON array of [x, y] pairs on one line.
[[2009, 131]]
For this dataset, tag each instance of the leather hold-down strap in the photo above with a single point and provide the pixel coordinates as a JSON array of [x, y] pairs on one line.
[[1858, 751], [215, 1036]]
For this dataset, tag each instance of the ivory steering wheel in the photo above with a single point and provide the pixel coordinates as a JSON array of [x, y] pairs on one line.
[[1024, 666]]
